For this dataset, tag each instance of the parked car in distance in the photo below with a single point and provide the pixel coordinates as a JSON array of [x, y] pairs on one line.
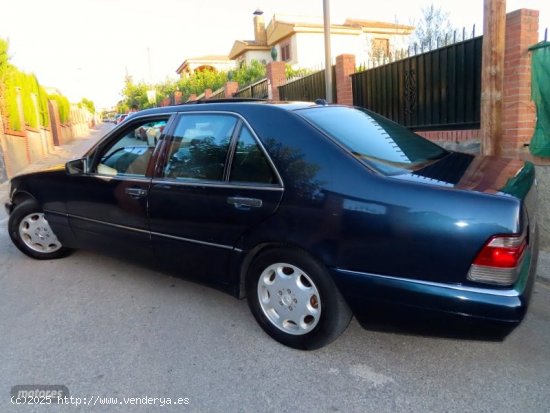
[[314, 213]]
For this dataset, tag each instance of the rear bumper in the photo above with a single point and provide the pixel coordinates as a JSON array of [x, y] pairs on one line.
[[507, 307]]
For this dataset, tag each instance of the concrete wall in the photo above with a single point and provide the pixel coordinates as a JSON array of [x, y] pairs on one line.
[[34, 142], [15, 155], [309, 48], [3, 168], [259, 55], [543, 179], [19, 149]]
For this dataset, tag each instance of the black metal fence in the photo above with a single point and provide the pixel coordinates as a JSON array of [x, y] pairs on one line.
[[436, 90], [218, 94], [308, 88], [256, 90]]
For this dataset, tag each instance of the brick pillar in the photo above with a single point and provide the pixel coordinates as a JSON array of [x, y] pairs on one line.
[[207, 93], [345, 66], [518, 112], [276, 76], [230, 89], [177, 97], [192, 97], [55, 123], [4, 159]]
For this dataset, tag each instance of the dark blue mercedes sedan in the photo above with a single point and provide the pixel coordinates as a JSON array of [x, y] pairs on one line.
[[314, 213]]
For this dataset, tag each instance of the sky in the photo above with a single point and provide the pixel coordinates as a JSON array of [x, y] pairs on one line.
[[84, 48]]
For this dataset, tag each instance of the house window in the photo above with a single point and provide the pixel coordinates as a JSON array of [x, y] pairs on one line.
[[285, 52], [380, 47]]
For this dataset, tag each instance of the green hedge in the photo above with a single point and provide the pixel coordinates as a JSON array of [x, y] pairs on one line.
[[12, 80]]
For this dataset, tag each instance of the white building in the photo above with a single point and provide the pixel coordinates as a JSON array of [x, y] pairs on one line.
[[299, 40], [212, 62]]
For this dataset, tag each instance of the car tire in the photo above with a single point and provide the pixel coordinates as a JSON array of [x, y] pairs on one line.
[[294, 299], [31, 233]]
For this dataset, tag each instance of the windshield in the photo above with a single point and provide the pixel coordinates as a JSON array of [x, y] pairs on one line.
[[382, 144]]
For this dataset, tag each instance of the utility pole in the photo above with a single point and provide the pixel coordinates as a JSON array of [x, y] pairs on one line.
[[492, 75], [328, 59]]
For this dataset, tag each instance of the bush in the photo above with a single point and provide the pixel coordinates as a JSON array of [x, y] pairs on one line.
[[247, 74], [35, 111], [87, 104]]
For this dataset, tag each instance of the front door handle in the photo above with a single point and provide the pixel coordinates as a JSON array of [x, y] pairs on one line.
[[136, 193], [244, 203]]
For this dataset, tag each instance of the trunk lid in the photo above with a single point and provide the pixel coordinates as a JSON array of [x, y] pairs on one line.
[[485, 174]]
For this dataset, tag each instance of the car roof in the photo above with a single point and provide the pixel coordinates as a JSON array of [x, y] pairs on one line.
[[223, 105]]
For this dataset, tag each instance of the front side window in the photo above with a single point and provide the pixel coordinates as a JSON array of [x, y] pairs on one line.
[[250, 165], [382, 144], [199, 147], [130, 153]]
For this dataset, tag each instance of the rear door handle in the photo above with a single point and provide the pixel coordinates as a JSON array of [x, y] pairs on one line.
[[136, 193], [244, 203]]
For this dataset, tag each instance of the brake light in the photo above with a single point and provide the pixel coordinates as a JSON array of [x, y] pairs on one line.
[[499, 260]]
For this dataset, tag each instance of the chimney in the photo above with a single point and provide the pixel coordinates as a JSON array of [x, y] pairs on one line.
[[260, 35]]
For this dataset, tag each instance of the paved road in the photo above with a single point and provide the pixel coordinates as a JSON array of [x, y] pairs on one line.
[[106, 328]]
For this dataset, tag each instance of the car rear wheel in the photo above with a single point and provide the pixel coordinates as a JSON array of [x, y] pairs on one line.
[[31, 233], [294, 300]]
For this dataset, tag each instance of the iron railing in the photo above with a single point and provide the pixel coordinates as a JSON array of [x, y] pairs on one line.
[[308, 88], [257, 90], [436, 90], [218, 94]]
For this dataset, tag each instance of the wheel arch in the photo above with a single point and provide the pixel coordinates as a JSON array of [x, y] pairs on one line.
[[259, 249], [21, 196]]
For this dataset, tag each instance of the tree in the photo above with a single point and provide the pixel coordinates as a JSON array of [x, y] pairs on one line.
[[88, 104], [433, 26], [135, 95], [247, 74]]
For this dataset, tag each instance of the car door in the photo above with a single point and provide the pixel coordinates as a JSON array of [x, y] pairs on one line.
[[107, 206], [217, 183]]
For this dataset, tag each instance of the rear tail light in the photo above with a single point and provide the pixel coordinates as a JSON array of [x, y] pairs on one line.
[[499, 260]]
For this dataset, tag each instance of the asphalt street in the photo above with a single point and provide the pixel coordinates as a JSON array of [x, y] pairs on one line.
[[108, 329]]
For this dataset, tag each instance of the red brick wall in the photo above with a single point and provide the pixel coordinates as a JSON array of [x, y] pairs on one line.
[[230, 89], [345, 66], [452, 135], [518, 111], [276, 76]]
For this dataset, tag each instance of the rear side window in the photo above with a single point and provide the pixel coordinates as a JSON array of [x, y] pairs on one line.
[[249, 162], [382, 144], [199, 147]]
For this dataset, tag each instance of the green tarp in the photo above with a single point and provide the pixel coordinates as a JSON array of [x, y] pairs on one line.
[[540, 93]]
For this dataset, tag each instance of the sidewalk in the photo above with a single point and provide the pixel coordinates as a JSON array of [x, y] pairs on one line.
[[62, 154], [543, 270], [76, 148]]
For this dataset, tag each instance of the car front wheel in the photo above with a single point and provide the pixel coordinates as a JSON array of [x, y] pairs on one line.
[[31, 233], [294, 300]]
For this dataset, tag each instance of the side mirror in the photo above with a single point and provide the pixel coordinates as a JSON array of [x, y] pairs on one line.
[[76, 167]]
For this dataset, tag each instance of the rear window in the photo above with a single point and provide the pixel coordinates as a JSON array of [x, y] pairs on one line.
[[382, 144]]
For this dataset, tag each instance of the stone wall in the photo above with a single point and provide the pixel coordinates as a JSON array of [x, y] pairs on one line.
[[19, 149]]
